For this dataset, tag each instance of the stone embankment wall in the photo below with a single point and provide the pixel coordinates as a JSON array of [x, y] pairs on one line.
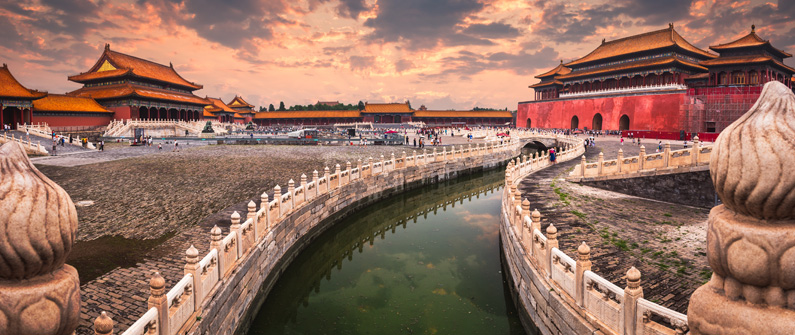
[[561, 294], [691, 186], [241, 266]]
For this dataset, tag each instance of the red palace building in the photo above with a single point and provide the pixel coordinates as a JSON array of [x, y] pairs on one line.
[[135, 88], [656, 84]]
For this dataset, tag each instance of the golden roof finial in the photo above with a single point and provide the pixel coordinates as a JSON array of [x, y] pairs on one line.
[[753, 28]]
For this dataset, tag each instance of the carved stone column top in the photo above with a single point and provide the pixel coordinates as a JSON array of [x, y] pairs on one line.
[[633, 278], [38, 220], [103, 324], [752, 159]]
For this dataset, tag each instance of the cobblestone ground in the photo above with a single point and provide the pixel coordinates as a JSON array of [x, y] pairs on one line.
[[147, 196], [666, 242], [143, 193]]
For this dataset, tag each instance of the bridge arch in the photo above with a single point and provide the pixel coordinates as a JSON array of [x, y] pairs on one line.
[[575, 122]]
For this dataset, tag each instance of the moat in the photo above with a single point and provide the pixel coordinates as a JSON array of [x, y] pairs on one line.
[[425, 261]]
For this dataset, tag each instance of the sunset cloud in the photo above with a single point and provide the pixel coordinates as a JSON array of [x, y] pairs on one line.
[[441, 53]]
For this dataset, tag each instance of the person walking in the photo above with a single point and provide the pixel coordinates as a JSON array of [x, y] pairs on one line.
[[54, 147]]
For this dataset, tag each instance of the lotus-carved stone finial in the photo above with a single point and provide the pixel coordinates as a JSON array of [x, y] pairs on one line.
[[752, 160]]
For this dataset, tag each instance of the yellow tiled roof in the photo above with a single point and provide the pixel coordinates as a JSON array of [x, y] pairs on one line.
[[11, 88], [739, 60], [631, 65], [216, 105], [386, 108], [123, 90], [560, 69], [642, 42], [65, 103], [548, 83], [750, 40], [239, 102], [123, 64]]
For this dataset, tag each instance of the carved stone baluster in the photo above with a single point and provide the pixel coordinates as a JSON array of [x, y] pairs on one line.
[[39, 293]]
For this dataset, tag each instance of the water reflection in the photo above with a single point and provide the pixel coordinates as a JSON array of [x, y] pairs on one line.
[[426, 261]]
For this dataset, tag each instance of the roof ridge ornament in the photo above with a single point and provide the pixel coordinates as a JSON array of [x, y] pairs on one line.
[[107, 46], [753, 28]]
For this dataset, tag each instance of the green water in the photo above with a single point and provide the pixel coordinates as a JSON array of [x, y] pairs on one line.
[[423, 262]]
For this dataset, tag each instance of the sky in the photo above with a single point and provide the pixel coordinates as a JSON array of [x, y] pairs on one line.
[[444, 54]]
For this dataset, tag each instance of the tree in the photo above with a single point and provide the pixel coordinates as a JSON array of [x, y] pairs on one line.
[[281, 105], [361, 105], [270, 108]]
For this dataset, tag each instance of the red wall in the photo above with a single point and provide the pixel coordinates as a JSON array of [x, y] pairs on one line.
[[102, 119], [124, 112], [658, 112]]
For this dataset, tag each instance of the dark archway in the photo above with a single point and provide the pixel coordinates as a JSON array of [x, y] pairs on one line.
[[143, 113], [623, 122], [153, 115], [173, 114], [597, 122], [575, 122], [529, 124], [12, 116]]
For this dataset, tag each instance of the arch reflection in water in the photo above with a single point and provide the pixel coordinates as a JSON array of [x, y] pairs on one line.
[[426, 261]]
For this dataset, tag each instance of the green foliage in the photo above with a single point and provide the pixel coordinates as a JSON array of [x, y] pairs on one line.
[[324, 107], [281, 106], [271, 108]]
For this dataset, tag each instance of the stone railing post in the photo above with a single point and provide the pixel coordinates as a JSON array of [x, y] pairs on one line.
[[291, 190], [620, 160], [215, 243], [252, 215], [394, 161], [632, 294], [157, 299], [348, 166], [359, 166], [535, 217], [552, 242], [264, 221], [338, 172], [103, 325], [403, 155], [444, 154], [517, 203], [192, 267], [641, 158], [525, 211], [512, 202], [383, 169], [582, 165], [751, 236], [327, 174], [277, 195], [667, 154], [303, 182], [696, 150], [601, 162], [583, 264], [235, 229], [315, 177]]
